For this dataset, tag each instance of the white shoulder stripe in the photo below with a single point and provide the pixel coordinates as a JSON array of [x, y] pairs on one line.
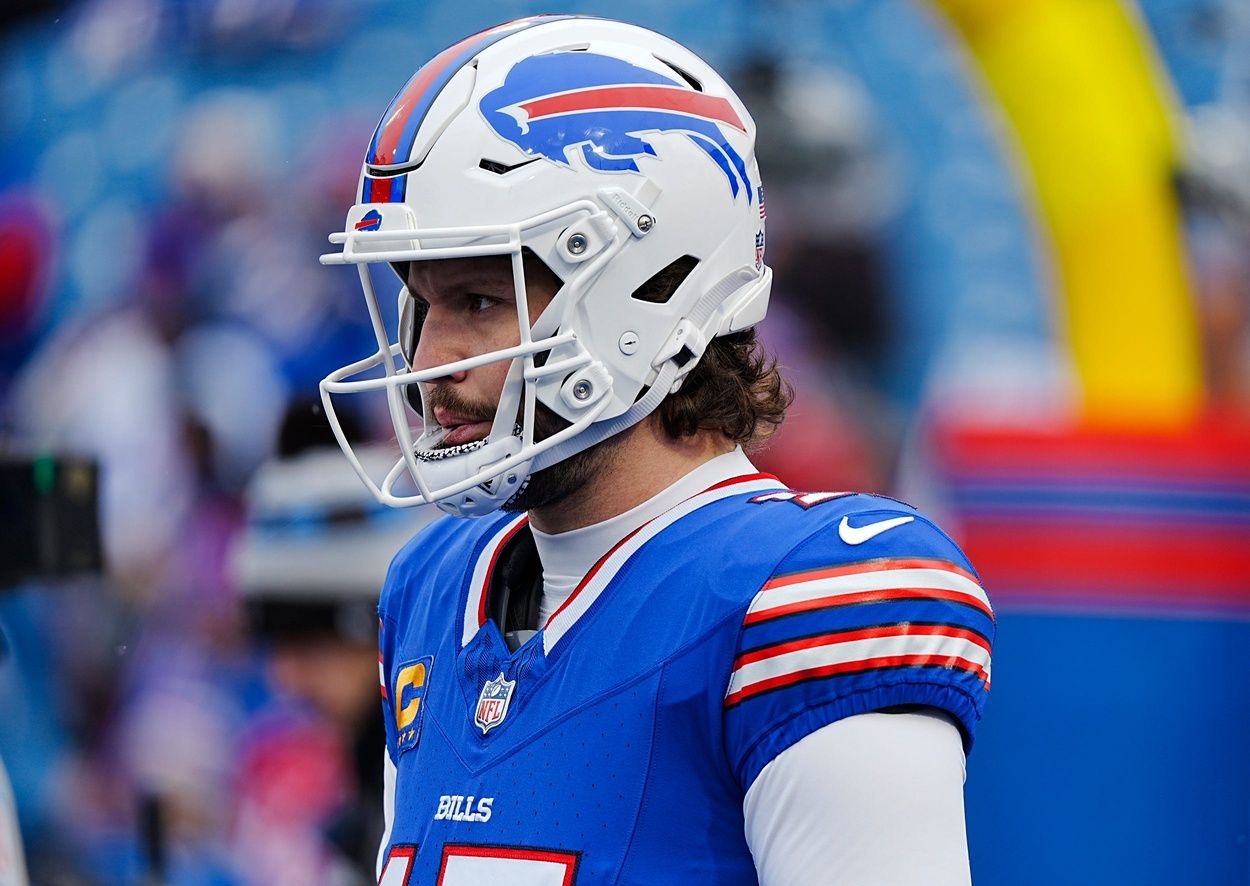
[[859, 582], [848, 653], [389, 776]]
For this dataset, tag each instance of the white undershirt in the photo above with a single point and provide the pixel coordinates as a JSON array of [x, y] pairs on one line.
[[567, 556], [871, 799]]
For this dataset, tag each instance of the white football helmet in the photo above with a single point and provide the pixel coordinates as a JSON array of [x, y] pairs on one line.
[[610, 152]]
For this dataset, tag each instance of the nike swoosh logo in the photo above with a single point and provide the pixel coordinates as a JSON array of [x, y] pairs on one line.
[[857, 535]]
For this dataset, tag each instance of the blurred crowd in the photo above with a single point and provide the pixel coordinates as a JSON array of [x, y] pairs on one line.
[[169, 174]]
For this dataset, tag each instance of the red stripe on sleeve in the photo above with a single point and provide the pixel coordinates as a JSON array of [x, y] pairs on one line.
[[869, 566], [903, 629], [876, 596], [888, 661]]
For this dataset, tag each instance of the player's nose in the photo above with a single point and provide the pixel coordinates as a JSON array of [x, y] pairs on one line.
[[441, 343]]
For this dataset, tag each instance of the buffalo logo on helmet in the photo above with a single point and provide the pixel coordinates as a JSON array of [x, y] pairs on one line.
[[370, 221], [605, 107]]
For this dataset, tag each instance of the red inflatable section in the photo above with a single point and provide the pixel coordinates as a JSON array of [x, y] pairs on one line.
[[1081, 518]]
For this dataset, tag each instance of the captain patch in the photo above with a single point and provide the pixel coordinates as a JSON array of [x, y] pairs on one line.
[[411, 681]]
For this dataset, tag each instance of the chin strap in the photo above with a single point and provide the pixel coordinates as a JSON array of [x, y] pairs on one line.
[[668, 375], [602, 430]]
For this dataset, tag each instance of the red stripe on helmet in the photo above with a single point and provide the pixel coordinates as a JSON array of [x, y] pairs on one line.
[[392, 129], [660, 98]]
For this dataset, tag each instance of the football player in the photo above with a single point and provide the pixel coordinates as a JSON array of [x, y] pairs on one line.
[[645, 661]]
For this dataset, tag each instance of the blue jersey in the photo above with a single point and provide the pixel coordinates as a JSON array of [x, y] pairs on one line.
[[617, 744]]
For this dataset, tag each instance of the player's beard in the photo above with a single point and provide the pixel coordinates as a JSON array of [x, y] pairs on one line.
[[550, 485]]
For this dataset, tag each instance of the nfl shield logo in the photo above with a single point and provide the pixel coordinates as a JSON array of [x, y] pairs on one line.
[[492, 704]]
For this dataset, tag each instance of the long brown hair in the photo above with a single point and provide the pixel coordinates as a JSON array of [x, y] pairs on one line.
[[736, 388]]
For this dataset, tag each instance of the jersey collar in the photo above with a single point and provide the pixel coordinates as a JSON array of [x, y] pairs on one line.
[[722, 477], [604, 570]]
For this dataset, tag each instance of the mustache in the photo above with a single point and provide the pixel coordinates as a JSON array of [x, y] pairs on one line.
[[445, 397]]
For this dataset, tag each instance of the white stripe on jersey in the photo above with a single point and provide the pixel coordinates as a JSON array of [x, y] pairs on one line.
[[848, 652], [389, 774], [477, 584], [879, 580]]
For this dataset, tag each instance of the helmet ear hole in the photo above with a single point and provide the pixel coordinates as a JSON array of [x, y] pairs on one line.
[[664, 282]]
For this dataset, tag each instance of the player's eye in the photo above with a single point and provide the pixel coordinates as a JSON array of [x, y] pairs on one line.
[[478, 302]]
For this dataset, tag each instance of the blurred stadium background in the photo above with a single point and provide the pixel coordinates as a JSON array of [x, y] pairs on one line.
[[1013, 287]]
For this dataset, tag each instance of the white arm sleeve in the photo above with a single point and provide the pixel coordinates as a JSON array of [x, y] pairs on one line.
[[872, 799]]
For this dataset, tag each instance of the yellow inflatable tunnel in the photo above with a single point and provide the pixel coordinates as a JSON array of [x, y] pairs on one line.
[[1092, 115]]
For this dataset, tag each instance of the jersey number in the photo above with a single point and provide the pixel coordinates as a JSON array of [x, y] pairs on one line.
[[466, 864], [805, 500]]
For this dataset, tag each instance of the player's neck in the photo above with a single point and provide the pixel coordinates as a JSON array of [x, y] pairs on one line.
[[641, 467]]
